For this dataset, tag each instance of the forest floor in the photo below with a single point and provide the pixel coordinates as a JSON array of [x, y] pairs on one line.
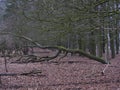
[[70, 73]]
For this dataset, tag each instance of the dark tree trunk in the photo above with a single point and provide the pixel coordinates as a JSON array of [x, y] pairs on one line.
[[112, 45], [92, 44]]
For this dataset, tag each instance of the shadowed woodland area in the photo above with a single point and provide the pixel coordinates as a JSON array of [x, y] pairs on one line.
[[59, 44]]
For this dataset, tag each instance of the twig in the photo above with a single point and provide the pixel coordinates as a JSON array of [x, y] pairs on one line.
[[103, 72]]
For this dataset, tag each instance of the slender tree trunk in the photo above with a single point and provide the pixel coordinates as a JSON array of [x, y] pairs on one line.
[[100, 48], [92, 44], [112, 45], [117, 28]]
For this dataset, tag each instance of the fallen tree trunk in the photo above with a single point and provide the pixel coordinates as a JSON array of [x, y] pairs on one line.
[[59, 48]]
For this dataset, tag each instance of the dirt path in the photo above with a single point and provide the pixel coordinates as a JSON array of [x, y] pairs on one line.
[[71, 73]]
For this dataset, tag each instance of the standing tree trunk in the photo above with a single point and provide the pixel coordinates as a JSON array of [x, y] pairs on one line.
[[92, 44], [112, 45], [117, 27]]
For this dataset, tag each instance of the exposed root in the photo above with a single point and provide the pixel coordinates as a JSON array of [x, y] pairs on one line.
[[63, 56]]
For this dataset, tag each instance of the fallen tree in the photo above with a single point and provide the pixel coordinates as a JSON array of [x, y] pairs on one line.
[[60, 49]]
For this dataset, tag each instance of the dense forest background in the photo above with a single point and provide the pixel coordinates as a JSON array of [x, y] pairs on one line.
[[88, 25]]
